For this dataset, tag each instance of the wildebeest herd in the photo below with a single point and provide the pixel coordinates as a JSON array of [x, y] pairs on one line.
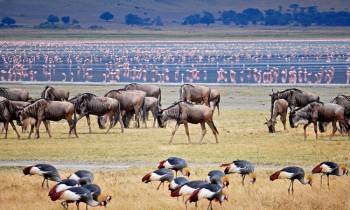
[[120, 105], [307, 108]]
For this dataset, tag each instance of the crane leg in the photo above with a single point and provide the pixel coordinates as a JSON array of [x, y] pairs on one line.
[[42, 184], [328, 181], [290, 184], [159, 185], [243, 177], [321, 179], [292, 187]]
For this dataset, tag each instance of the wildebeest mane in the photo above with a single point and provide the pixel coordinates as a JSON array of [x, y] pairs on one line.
[[297, 109], [290, 89], [116, 90]]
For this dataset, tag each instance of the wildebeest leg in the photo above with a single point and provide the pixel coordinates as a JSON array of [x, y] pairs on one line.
[[6, 126], [31, 131], [14, 128], [71, 126], [305, 126], [283, 118], [111, 122], [334, 125], [121, 123], [47, 128], [173, 133], [187, 133], [315, 129], [213, 128], [88, 122], [37, 126], [204, 131]]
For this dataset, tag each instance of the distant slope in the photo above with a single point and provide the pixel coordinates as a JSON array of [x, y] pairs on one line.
[[32, 12]]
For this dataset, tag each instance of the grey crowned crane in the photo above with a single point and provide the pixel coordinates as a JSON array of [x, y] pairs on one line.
[[178, 181], [97, 195], [162, 175], [82, 176], [77, 195], [292, 173], [211, 192], [176, 164], [330, 168], [242, 167], [187, 189], [218, 177], [65, 184], [48, 171]]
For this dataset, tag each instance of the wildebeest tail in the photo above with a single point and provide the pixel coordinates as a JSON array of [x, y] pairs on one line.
[[180, 92], [99, 118], [160, 97], [144, 110], [117, 116], [217, 104], [209, 97]]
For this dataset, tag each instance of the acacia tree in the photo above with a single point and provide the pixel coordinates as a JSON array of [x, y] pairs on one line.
[[107, 16]]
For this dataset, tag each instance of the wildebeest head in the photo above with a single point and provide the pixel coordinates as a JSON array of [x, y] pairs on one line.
[[161, 119], [304, 115], [101, 121], [271, 125], [19, 118]]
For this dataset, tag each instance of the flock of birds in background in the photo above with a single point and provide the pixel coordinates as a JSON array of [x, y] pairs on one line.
[[78, 187]]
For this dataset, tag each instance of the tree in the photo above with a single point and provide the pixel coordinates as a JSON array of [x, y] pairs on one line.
[[8, 21], [65, 19], [241, 19], [157, 21], [53, 19], [106, 16], [192, 19], [228, 16], [207, 18], [132, 19], [253, 15]]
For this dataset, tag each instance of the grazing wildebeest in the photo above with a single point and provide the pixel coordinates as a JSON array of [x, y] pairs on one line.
[[43, 110], [280, 108], [50, 93], [8, 114], [215, 99], [14, 94], [184, 113], [152, 105], [29, 122], [87, 104], [343, 101], [150, 90], [294, 97], [195, 93], [318, 112], [131, 101]]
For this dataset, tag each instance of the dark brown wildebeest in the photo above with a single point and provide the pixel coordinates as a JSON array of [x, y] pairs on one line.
[[294, 97], [52, 94], [318, 112], [14, 94], [150, 90], [215, 99], [87, 104], [8, 114], [184, 113], [280, 108], [131, 102], [29, 122], [343, 101], [151, 105], [43, 110], [195, 93]]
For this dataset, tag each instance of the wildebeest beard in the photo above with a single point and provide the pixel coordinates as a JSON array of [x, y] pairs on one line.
[[171, 113]]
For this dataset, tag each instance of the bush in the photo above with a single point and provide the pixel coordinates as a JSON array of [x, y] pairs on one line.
[[8, 21], [107, 16], [207, 18], [53, 19], [131, 19], [192, 19], [65, 19]]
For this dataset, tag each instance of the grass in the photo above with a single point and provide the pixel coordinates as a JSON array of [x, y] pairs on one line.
[[180, 33], [241, 126], [128, 192]]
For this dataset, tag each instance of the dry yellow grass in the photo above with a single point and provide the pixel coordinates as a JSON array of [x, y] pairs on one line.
[[22, 192]]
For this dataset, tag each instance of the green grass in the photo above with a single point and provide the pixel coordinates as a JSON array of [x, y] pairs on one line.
[[242, 135]]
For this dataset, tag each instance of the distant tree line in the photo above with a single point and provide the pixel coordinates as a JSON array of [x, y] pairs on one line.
[[293, 15]]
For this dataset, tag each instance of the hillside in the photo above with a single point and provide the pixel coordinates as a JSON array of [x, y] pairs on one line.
[[33, 12]]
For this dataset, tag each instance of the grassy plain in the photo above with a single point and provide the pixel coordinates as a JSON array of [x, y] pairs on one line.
[[242, 135]]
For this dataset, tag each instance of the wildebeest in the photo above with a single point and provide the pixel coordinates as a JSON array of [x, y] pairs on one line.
[[343, 101], [43, 110], [150, 90], [184, 113], [131, 101], [14, 94], [50, 93], [151, 105], [318, 112], [195, 93], [87, 104], [294, 97], [280, 108], [29, 122], [8, 114], [215, 99]]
